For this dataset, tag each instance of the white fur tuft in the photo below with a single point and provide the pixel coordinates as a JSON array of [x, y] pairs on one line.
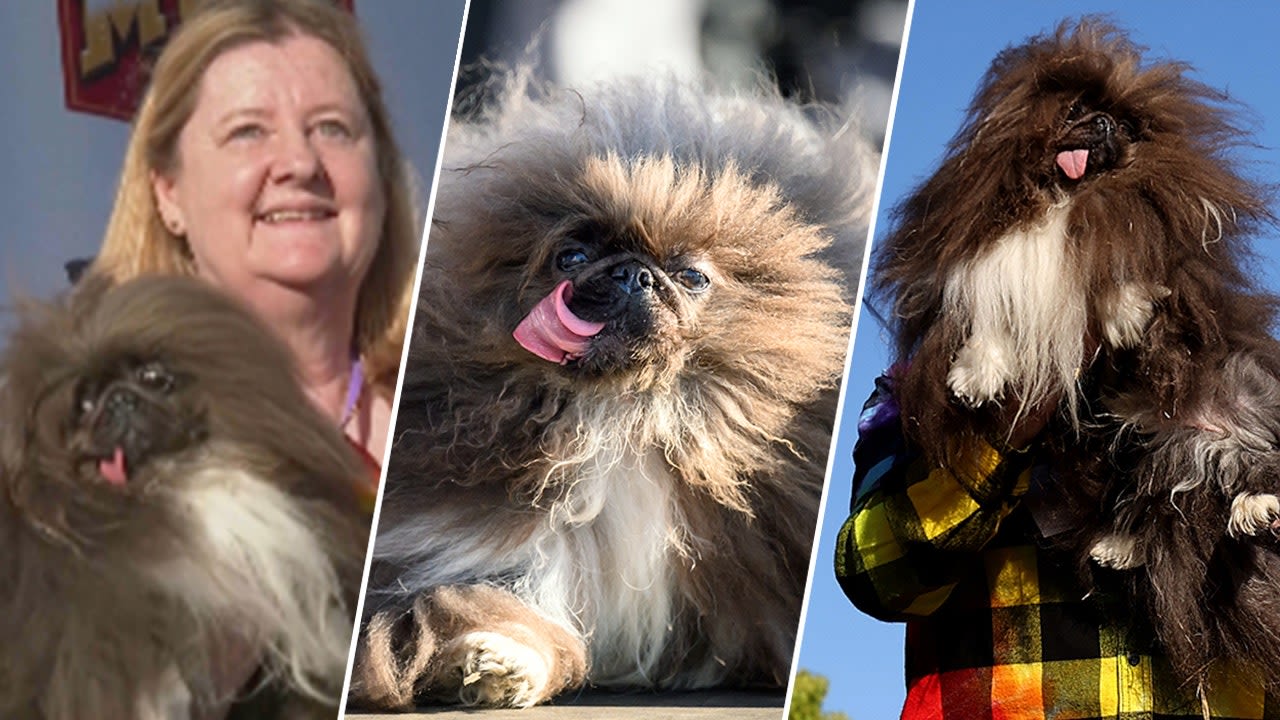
[[1252, 512], [496, 670], [1213, 221], [1127, 312], [1024, 306], [259, 569], [1116, 551]]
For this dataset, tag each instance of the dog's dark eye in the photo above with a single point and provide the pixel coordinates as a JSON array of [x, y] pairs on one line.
[[569, 259], [693, 279], [1129, 129], [1075, 112], [84, 402], [154, 376]]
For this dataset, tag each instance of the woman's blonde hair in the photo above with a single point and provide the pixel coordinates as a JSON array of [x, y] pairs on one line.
[[137, 241]]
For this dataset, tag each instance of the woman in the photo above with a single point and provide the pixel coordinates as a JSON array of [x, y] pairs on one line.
[[262, 161]]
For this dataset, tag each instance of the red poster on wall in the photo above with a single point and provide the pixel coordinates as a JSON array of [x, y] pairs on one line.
[[108, 46]]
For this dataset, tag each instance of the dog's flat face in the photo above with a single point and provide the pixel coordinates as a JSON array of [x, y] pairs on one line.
[[633, 297], [112, 398], [1068, 109], [123, 414], [656, 270], [118, 380], [1091, 142]]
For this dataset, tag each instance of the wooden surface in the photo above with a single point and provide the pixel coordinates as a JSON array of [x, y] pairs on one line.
[[709, 705]]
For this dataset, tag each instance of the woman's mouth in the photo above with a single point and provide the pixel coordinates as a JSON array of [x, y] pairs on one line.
[[295, 215]]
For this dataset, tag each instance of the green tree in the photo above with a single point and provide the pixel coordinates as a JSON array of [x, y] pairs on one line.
[[806, 698]]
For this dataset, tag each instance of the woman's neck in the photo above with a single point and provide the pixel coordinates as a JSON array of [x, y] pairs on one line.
[[320, 339], [327, 368]]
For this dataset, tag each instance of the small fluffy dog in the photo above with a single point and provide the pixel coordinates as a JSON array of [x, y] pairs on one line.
[[616, 412], [1083, 243], [173, 510]]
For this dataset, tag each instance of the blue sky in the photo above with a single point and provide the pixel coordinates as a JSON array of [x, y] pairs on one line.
[[1230, 45]]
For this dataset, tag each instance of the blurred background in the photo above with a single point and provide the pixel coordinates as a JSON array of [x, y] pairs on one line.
[[61, 165], [825, 50], [1230, 46]]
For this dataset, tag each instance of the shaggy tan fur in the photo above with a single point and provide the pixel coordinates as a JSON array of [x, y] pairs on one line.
[[646, 509], [234, 535]]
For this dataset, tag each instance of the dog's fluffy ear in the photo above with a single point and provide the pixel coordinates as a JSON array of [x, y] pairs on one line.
[[89, 290]]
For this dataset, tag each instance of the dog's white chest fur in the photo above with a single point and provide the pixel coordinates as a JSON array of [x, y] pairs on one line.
[[603, 560], [600, 551], [1025, 309], [1025, 303], [257, 568]]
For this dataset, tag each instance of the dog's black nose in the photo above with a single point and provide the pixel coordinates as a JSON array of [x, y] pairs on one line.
[[1104, 124], [119, 407], [632, 276]]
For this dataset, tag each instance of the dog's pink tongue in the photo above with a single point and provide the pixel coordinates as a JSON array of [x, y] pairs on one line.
[[113, 470], [1073, 162], [551, 330]]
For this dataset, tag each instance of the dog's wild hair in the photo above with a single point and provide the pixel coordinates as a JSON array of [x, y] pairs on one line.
[[1180, 407], [643, 517], [240, 537]]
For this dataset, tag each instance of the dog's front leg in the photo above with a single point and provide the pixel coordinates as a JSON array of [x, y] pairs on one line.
[[471, 644], [982, 368], [1117, 550], [1252, 513], [1127, 311]]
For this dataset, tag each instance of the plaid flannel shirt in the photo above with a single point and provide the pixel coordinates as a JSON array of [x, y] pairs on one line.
[[997, 625]]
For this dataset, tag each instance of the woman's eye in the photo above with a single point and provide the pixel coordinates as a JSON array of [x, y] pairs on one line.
[[248, 131], [569, 259], [693, 279], [336, 129]]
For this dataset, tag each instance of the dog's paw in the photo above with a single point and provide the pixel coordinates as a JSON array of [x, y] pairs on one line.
[[495, 670], [1116, 551], [980, 372], [1127, 312], [1253, 512]]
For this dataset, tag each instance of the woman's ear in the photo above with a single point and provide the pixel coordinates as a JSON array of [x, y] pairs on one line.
[[165, 191]]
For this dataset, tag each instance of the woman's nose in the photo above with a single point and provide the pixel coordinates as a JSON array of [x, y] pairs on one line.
[[296, 158]]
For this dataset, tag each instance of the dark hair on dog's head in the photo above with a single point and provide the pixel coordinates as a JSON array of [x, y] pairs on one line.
[[1134, 162], [154, 368], [169, 498]]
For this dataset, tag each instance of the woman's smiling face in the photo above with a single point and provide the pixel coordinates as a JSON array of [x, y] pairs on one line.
[[276, 181]]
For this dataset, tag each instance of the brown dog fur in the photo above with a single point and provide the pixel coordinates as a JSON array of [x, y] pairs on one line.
[[237, 534], [1177, 415], [639, 517]]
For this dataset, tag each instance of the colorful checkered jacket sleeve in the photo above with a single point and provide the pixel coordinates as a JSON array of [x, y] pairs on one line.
[[998, 624], [896, 555]]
